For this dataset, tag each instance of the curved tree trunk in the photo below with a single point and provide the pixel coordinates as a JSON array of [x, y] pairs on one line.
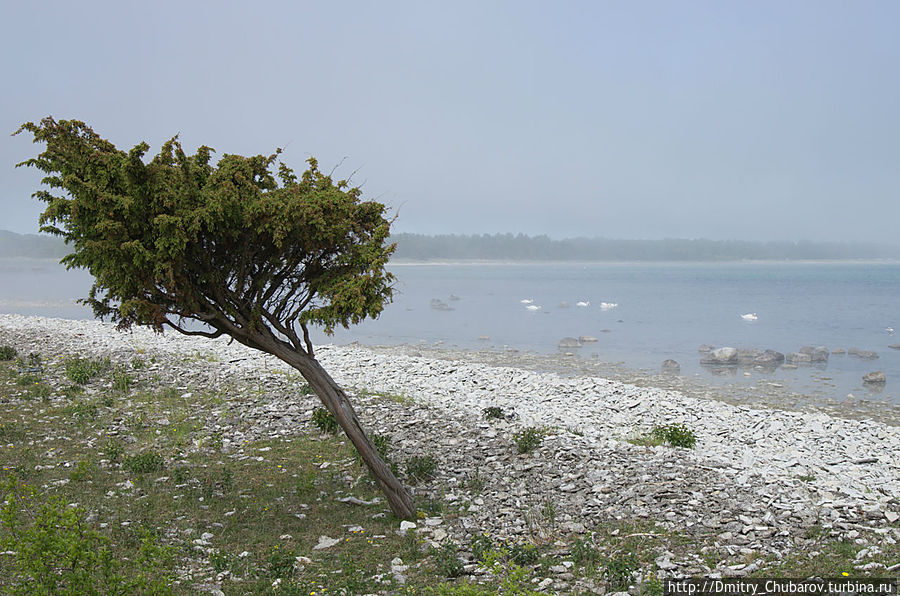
[[334, 398]]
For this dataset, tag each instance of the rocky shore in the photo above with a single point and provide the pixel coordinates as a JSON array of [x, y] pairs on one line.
[[759, 484]]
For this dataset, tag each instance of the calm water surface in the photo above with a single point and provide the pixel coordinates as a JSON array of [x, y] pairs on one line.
[[664, 311]]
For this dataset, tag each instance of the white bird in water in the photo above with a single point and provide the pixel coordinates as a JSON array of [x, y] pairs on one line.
[[889, 330], [533, 307], [608, 305], [750, 316], [583, 303], [527, 300]]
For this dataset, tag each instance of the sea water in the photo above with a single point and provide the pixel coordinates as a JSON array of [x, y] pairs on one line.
[[663, 311]]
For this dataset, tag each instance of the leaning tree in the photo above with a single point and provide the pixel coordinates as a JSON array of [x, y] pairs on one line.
[[233, 249]]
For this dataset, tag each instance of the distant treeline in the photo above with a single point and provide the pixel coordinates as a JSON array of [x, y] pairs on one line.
[[31, 245], [519, 247]]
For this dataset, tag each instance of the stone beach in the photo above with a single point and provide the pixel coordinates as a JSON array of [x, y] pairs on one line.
[[758, 479]]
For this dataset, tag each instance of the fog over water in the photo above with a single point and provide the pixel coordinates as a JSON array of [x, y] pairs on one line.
[[741, 120]]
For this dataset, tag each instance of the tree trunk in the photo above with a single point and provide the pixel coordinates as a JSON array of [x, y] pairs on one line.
[[334, 398]]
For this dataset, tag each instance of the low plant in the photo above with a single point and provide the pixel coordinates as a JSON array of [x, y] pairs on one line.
[[143, 463], [81, 472], [280, 562], [137, 363], [52, 550], [325, 421], [446, 559], [528, 439], [112, 448], [85, 411], [122, 381], [676, 435], [584, 553], [420, 467], [8, 353], [82, 370], [493, 413], [28, 380], [619, 569]]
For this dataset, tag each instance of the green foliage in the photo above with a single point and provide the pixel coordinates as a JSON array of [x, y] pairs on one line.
[[235, 245], [676, 435], [82, 370], [57, 552], [528, 439], [324, 421], [82, 471], [142, 463], [122, 381], [493, 413], [280, 562], [619, 569], [137, 363], [8, 353], [584, 553], [27, 380], [420, 467], [112, 449], [446, 559]]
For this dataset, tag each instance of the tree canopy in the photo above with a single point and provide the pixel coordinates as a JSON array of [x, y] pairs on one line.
[[236, 246]]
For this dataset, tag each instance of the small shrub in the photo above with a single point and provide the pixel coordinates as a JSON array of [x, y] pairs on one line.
[[382, 444], [420, 467], [179, 475], [84, 412], [54, 551], [28, 380], [31, 363], [474, 481], [523, 553], [676, 435], [122, 381], [82, 370], [584, 553], [446, 559], [8, 353], [143, 463], [619, 571], [481, 544], [11, 431], [112, 448], [280, 562], [137, 363], [324, 421], [305, 389], [81, 472], [493, 413], [528, 439]]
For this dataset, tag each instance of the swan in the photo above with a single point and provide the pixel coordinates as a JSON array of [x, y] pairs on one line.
[[750, 316], [533, 307], [527, 300], [583, 303], [608, 305]]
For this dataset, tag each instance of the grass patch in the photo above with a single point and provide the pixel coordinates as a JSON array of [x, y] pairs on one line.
[[674, 435], [528, 439], [82, 370]]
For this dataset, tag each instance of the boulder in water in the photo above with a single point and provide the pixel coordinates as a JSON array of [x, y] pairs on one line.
[[671, 367], [875, 378], [721, 356], [569, 342]]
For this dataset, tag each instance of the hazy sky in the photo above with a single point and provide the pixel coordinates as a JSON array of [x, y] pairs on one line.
[[725, 120]]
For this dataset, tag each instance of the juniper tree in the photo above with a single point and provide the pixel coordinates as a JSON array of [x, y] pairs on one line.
[[243, 248]]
